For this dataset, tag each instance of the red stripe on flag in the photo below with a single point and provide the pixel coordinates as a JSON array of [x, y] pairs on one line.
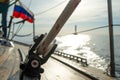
[[22, 15], [16, 14]]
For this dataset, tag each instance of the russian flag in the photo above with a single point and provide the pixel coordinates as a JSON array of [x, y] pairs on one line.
[[21, 11]]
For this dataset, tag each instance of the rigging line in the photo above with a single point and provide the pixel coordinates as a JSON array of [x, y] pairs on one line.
[[20, 26], [30, 4], [14, 34], [23, 35], [17, 31], [37, 14], [92, 29], [116, 24], [11, 0], [13, 28]]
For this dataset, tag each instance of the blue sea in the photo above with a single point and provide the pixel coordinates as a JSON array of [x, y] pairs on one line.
[[102, 49], [95, 48]]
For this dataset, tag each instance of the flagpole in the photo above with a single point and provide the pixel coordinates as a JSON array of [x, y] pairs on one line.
[[33, 30], [9, 26], [110, 21]]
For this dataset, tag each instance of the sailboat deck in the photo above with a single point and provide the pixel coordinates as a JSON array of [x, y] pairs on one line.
[[53, 69]]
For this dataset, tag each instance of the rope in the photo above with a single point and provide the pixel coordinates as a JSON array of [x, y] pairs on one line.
[[30, 4], [96, 28], [23, 35], [17, 31], [37, 14], [13, 2], [92, 29], [116, 25]]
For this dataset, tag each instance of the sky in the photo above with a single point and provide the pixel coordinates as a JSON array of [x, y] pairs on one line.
[[89, 14]]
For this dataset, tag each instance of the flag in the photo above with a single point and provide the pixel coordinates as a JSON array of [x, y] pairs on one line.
[[21, 11]]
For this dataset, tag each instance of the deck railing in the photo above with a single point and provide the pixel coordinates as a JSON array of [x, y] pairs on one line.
[[78, 59]]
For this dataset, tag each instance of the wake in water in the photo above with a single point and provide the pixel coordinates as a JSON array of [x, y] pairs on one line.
[[80, 45]]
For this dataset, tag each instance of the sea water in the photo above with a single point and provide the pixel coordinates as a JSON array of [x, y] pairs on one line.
[[95, 48]]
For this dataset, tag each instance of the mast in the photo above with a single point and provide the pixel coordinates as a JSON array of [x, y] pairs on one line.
[[112, 61]]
